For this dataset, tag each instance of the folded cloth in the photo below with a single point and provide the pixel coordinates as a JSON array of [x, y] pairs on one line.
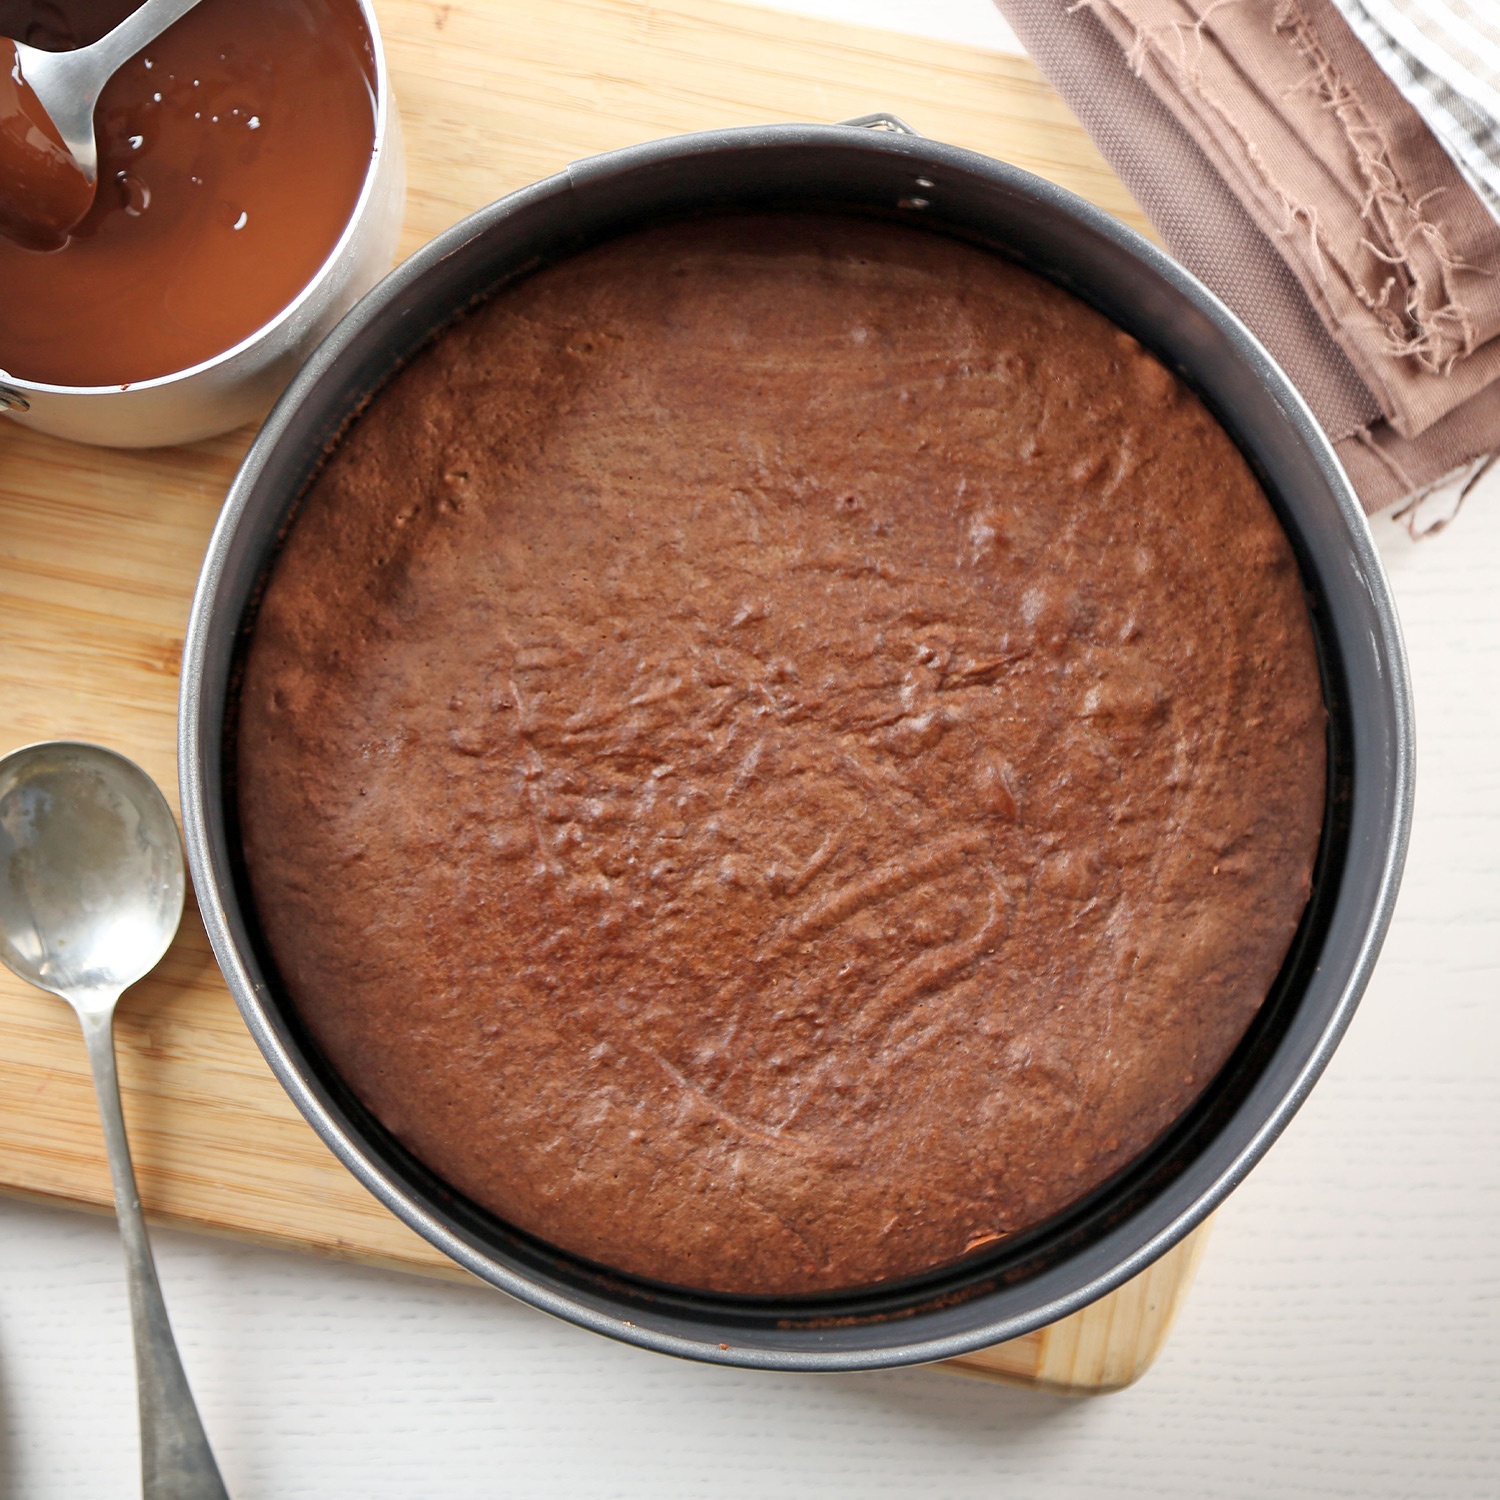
[[1393, 250], [1444, 56], [1405, 391]]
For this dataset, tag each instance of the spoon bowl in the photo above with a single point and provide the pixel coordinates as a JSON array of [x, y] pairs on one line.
[[91, 870], [43, 191], [49, 158]]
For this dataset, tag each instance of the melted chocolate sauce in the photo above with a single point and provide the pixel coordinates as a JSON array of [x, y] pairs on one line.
[[232, 151]]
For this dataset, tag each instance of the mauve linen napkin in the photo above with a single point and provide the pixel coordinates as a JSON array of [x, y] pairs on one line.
[[1444, 56], [1281, 165]]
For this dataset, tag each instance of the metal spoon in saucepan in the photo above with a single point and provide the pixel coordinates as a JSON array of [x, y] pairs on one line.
[[91, 891], [49, 161]]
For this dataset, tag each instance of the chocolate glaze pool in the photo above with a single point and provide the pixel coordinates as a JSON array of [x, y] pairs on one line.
[[232, 151]]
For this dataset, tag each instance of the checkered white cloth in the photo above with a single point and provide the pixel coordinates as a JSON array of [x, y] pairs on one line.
[[1444, 56]]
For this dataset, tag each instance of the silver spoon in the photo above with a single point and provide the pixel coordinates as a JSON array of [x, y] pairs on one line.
[[91, 890], [68, 84]]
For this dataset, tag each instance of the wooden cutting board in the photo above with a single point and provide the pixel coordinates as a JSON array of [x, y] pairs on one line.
[[99, 552]]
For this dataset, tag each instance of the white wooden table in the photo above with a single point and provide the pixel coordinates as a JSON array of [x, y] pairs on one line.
[[1343, 1340]]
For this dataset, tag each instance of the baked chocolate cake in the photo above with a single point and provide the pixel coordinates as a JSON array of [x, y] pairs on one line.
[[781, 750]]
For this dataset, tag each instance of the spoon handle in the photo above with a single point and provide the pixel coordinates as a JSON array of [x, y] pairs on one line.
[[176, 1461], [89, 68], [139, 29], [68, 84]]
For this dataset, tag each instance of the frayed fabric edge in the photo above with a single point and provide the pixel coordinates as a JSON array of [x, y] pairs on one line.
[[1420, 316], [1409, 513]]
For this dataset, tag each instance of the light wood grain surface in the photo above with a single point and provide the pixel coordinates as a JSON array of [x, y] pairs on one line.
[[1107, 1346], [99, 552]]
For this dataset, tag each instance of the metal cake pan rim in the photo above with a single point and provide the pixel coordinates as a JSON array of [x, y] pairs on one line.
[[1210, 1180]]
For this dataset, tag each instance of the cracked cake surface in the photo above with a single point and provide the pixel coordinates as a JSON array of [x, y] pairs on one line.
[[779, 751]]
